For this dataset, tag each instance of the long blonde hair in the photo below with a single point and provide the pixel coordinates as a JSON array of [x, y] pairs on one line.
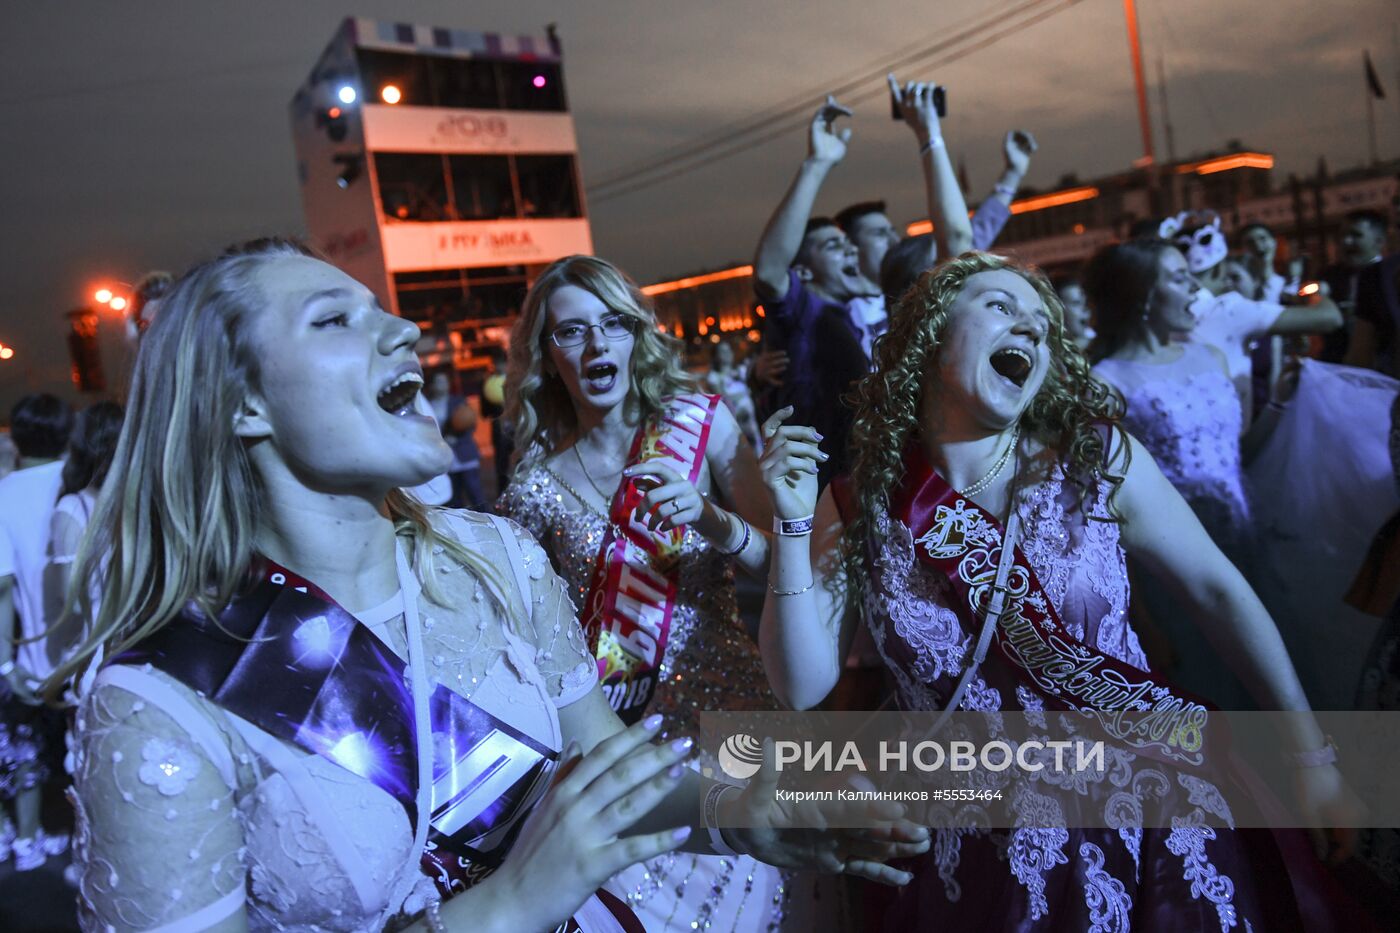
[[537, 401], [178, 517], [1067, 414]]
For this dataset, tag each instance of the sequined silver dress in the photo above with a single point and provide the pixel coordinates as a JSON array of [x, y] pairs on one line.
[[710, 663]]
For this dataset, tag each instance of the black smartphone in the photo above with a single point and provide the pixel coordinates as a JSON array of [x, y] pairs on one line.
[[940, 103]]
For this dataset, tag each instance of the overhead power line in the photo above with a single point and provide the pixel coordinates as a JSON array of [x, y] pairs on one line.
[[795, 117], [801, 101]]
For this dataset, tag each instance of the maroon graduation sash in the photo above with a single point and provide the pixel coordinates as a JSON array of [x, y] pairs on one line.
[[285, 657], [632, 595], [962, 542]]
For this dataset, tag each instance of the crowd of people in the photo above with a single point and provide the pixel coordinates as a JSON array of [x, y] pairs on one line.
[[308, 677]]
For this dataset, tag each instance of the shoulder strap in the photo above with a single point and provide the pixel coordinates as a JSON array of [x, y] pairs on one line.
[[995, 605], [517, 559], [158, 692]]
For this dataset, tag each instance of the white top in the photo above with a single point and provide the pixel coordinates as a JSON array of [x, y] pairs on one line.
[[868, 314], [1229, 322], [27, 500], [187, 813]]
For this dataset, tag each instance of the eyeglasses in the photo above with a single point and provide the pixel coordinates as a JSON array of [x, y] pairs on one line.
[[614, 327]]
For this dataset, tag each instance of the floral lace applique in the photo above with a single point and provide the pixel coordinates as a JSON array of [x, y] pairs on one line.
[[167, 766], [1109, 904], [1204, 794], [1037, 848], [1189, 842]]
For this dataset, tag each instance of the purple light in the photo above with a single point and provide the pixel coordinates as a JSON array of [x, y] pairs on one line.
[[539, 81]]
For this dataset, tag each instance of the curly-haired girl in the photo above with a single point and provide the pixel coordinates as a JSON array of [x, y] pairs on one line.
[[982, 424]]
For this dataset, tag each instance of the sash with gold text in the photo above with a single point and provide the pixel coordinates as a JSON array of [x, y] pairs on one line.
[[962, 542], [627, 613]]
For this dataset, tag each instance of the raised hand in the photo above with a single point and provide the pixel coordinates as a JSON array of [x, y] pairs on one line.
[[572, 842], [789, 465], [824, 143], [1018, 147], [672, 502], [795, 836], [916, 105]]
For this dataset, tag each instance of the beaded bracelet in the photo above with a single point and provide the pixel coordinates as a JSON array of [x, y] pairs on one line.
[[1326, 755]]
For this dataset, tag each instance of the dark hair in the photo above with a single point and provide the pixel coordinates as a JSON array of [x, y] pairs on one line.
[[908, 259], [1256, 225], [1254, 266], [813, 225], [1066, 280], [846, 218], [40, 425], [1118, 282], [152, 287], [1147, 227], [1364, 215], [91, 447]]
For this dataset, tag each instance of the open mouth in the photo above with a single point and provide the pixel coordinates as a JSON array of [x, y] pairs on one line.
[[600, 376], [397, 397], [1013, 364], [852, 270]]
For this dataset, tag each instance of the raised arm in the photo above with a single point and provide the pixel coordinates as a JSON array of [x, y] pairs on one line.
[[782, 238], [807, 622], [994, 211], [1016, 149], [947, 208], [1319, 316]]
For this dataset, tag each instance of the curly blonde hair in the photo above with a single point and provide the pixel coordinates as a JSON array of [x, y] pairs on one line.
[[1067, 414], [536, 400]]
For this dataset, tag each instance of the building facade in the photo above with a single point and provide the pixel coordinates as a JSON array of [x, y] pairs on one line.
[[440, 168]]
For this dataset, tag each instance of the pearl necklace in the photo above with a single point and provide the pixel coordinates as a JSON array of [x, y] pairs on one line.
[[997, 467]]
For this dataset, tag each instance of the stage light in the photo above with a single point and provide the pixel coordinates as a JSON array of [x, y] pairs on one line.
[[6, 353], [539, 81], [346, 94], [334, 113], [103, 295], [118, 303], [390, 94]]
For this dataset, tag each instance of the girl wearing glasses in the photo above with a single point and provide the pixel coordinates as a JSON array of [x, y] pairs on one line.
[[646, 495]]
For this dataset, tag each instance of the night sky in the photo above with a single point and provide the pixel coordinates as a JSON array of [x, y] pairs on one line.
[[148, 135]]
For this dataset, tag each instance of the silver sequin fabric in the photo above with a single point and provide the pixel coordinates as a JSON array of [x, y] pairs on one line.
[[710, 662]]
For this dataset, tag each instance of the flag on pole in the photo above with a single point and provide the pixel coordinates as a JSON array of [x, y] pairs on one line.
[[1373, 80]]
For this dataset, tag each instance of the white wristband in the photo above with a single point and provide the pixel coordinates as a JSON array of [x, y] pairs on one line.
[[792, 527], [935, 142], [711, 817], [6, 668]]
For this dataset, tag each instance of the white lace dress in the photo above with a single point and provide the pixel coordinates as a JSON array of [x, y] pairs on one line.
[[1188, 416], [188, 814], [1192, 877]]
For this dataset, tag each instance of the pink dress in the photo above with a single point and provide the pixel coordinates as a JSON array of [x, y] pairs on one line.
[[1191, 877]]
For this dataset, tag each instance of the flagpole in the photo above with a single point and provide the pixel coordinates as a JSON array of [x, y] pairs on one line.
[[1371, 118]]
